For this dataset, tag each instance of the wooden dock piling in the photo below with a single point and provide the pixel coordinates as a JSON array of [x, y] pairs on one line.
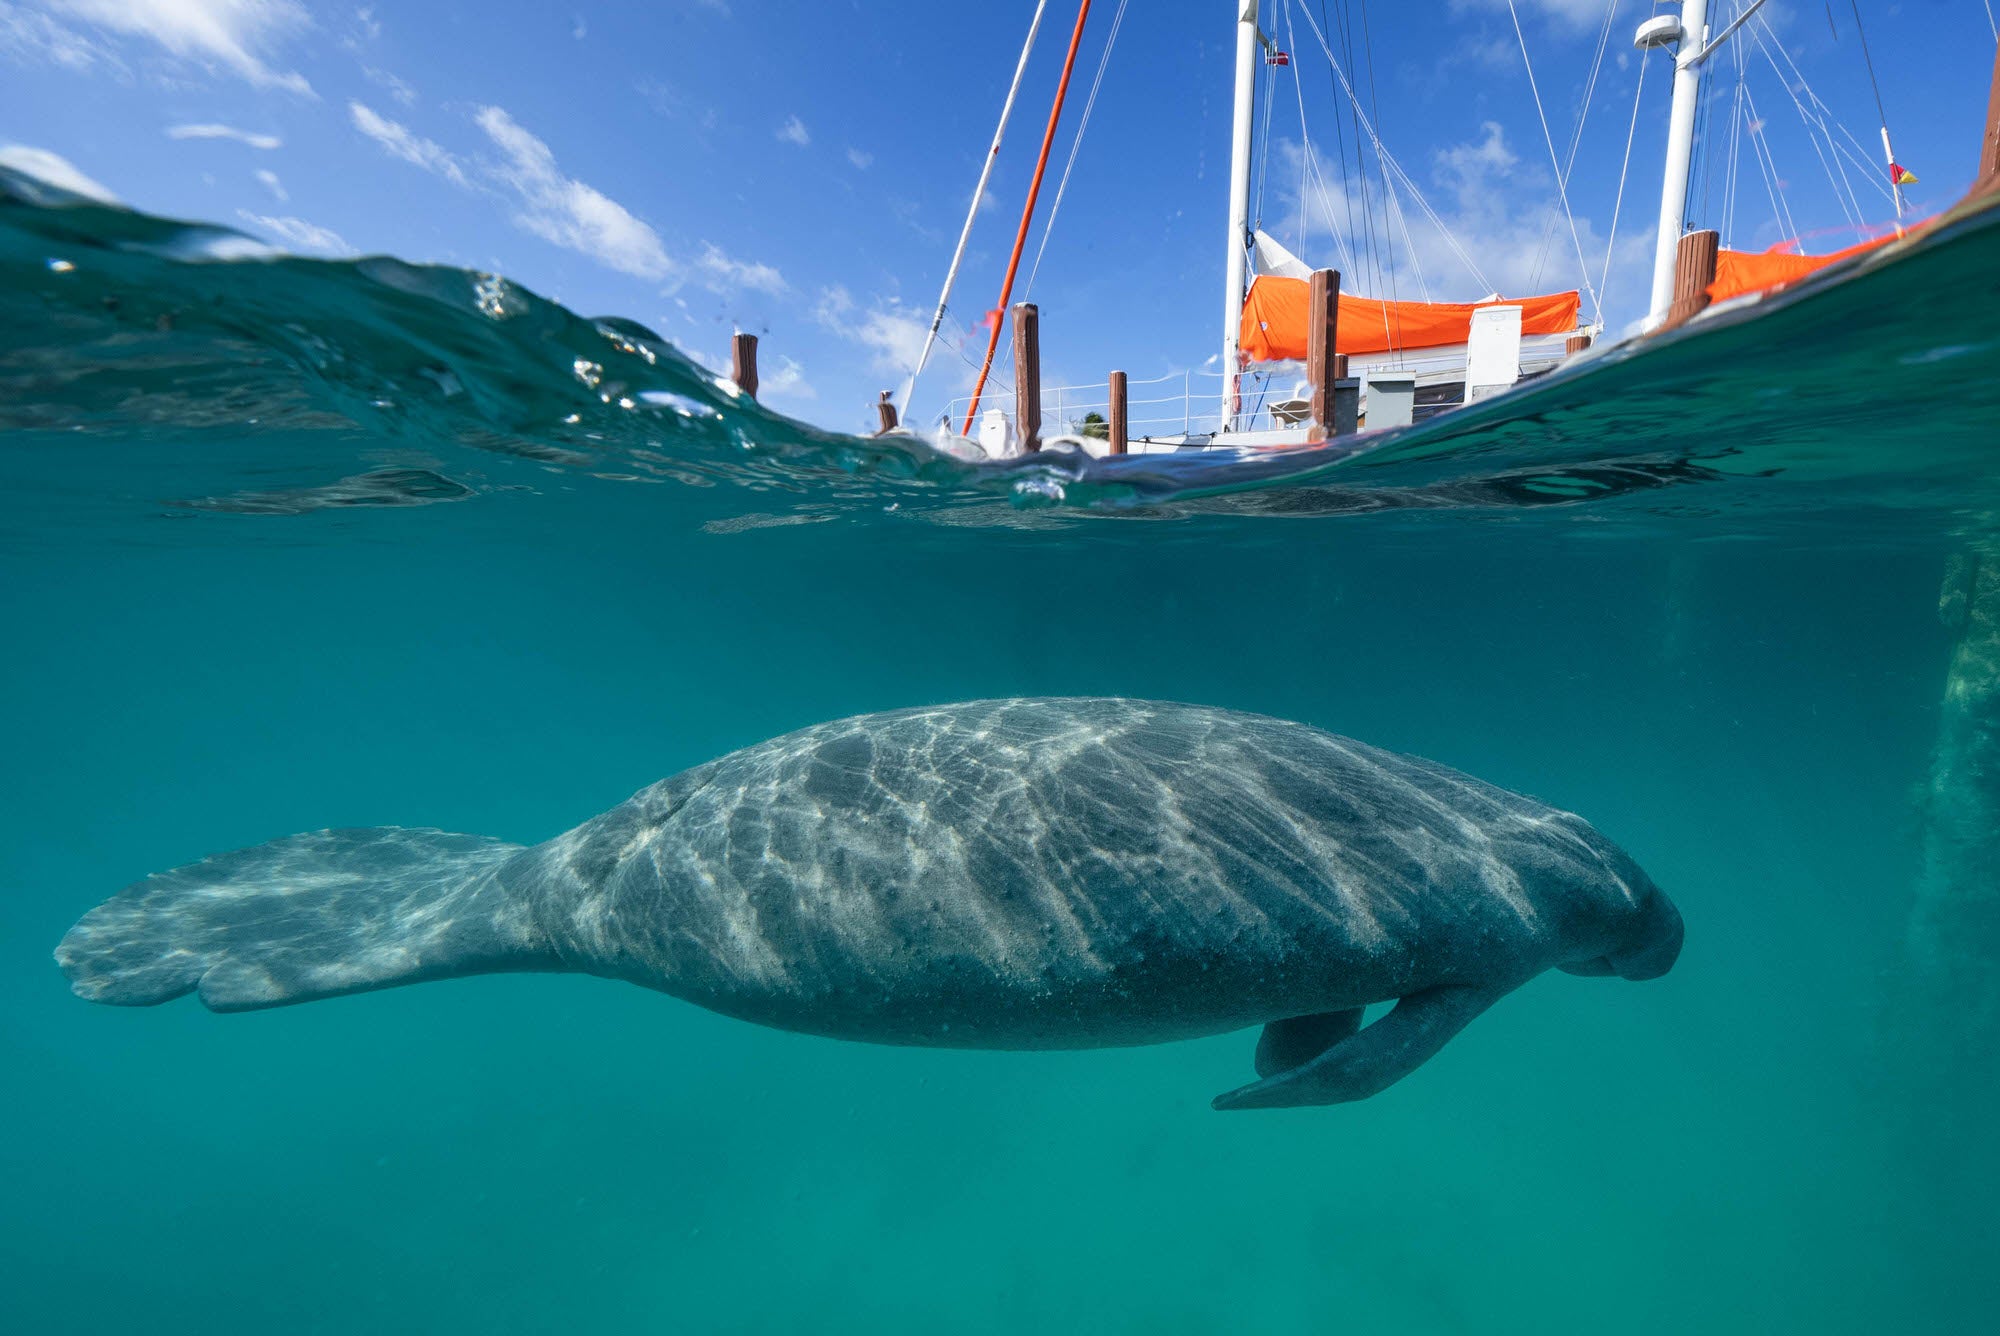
[[885, 409], [1694, 270], [1989, 153], [1575, 344], [743, 363], [1028, 376], [1117, 435], [1322, 362]]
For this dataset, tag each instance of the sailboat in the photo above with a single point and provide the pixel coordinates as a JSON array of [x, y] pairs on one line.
[[1370, 363]]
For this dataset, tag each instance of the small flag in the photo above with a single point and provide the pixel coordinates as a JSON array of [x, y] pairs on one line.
[[1901, 176], [991, 320], [1278, 58]]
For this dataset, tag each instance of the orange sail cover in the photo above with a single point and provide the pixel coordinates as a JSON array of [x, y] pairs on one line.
[[1274, 320], [1738, 272]]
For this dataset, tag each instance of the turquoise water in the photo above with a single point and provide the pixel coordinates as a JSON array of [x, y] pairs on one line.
[[319, 547]]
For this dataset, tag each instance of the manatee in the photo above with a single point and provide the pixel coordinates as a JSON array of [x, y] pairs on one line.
[[1009, 874]]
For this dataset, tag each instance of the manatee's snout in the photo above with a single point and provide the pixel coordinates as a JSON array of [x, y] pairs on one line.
[[1656, 940], [1643, 929]]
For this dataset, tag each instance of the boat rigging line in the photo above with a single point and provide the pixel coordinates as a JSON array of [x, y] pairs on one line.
[[1887, 152], [1076, 146], [1576, 135], [1631, 133], [1562, 190], [972, 213], [998, 317], [1388, 161]]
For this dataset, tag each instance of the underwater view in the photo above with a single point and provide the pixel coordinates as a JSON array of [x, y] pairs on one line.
[[294, 545]]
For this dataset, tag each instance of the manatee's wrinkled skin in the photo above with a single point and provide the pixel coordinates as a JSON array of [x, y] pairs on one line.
[[1000, 874]]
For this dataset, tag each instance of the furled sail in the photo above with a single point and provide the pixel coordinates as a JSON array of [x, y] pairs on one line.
[[1739, 272], [1274, 320]]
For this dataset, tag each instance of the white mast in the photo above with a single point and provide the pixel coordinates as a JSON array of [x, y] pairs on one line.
[[1693, 36], [1239, 201], [978, 194]]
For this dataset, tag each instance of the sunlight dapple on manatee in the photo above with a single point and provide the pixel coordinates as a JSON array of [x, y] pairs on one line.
[[1012, 874]]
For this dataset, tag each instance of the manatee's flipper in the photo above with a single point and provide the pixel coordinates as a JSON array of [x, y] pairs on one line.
[[1372, 1059], [1297, 1040], [310, 916]]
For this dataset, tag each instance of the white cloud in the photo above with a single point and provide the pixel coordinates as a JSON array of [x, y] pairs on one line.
[[794, 131], [224, 132], [787, 381], [396, 88], [298, 234], [556, 207], [271, 183], [54, 169], [892, 333], [36, 39], [725, 272], [236, 34], [862, 160], [567, 212], [400, 142]]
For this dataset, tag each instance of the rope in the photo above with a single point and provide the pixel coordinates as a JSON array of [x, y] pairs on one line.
[[1843, 186], [1735, 151], [1264, 146], [1028, 211], [1631, 133], [1562, 191], [1868, 60], [1768, 165], [1369, 248], [1888, 155], [1375, 109], [1859, 157], [1409, 242], [1083, 124], [1576, 136], [1309, 168], [978, 194], [1389, 162]]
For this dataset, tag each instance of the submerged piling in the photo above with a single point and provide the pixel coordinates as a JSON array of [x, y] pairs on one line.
[[885, 412]]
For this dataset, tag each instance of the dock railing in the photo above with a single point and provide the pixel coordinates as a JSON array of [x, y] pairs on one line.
[[1176, 404]]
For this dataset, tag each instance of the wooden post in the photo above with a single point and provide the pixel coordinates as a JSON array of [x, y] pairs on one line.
[[743, 363], [1117, 430], [1575, 344], [1028, 376], [1340, 366], [1694, 270], [1989, 156], [887, 412], [1322, 363]]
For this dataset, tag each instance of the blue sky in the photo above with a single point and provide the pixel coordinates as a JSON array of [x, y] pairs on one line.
[[801, 170]]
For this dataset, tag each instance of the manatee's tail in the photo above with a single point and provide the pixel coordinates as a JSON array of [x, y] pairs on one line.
[[311, 916]]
